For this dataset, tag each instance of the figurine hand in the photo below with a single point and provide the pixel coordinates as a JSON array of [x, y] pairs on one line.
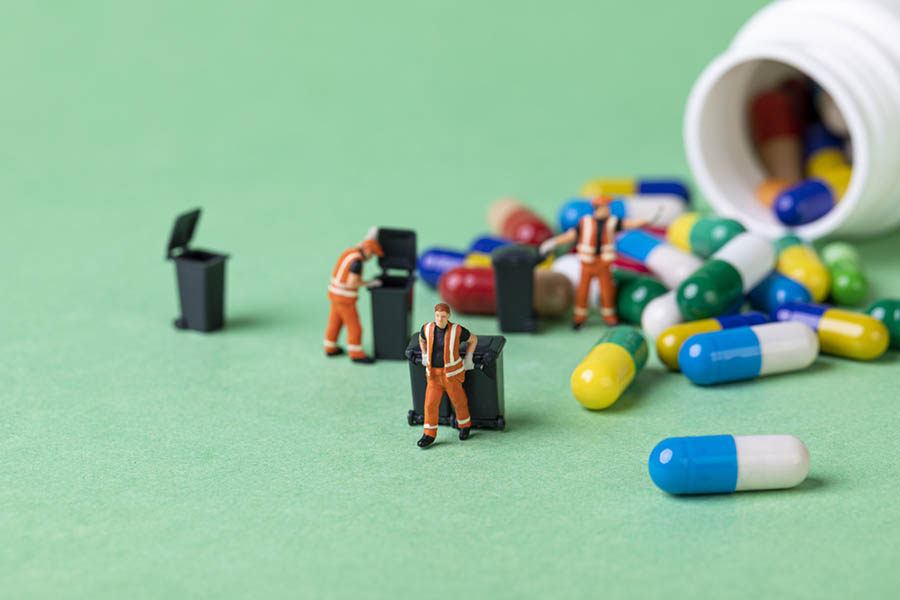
[[468, 362], [373, 283], [547, 247]]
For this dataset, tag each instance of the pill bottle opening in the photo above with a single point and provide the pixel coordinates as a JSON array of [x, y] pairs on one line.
[[722, 152]]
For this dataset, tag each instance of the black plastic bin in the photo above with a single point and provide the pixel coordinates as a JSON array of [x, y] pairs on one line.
[[483, 385], [392, 300], [201, 278], [514, 279]]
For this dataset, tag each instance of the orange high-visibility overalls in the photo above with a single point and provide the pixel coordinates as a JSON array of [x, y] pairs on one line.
[[448, 378], [343, 307], [596, 265]]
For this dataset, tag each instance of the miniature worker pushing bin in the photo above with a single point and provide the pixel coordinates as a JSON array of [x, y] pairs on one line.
[[201, 278]]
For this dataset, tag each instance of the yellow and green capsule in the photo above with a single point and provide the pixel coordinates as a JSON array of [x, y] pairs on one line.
[[634, 292], [887, 311], [610, 367], [848, 282], [702, 235], [799, 261], [669, 342]]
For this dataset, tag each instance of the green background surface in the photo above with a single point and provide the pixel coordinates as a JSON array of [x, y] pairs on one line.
[[139, 461]]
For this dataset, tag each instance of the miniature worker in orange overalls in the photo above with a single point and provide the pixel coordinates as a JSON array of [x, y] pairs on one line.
[[445, 371], [343, 291], [596, 235]]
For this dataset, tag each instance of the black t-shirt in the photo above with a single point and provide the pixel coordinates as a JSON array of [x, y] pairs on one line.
[[601, 226], [437, 347], [356, 266]]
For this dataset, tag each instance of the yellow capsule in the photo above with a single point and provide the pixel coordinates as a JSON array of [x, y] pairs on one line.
[[852, 334], [545, 264], [477, 259], [679, 231], [825, 160], [669, 341], [602, 376], [801, 263], [838, 178], [608, 187]]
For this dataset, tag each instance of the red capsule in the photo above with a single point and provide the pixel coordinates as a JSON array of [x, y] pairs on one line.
[[512, 219], [469, 290]]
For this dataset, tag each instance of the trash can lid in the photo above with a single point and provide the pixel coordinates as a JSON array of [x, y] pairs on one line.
[[399, 247], [183, 230], [515, 254]]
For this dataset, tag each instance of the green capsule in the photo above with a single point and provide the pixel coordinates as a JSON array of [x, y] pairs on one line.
[[710, 291], [711, 233], [888, 312], [848, 282], [634, 294]]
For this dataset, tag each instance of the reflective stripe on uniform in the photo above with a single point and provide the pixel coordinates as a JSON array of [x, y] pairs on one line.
[[342, 292], [427, 426], [456, 372], [607, 311], [581, 311], [586, 248], [330, 344], [353, 348], [463, 422]]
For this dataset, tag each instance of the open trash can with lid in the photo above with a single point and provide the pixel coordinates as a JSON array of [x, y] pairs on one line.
[[200, 275], [392, 300], [483, 385]]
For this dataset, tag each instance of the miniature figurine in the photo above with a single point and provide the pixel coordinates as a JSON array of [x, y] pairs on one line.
[[445, 371], [342, 292], [596, 235]]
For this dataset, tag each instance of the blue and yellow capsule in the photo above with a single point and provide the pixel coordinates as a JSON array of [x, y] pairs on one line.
[[480, 249], [434, 262], [775, 290], [610, 367], [670, 341], [841, 332], [626, 187]]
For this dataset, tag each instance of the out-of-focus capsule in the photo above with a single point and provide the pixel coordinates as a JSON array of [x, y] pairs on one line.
[[572, 211], [811, 198], [747, 352], [640, 187], [776, 132], [775, 290], [472, 290], [734, 270], [799, 261], [434, 262], [485, 244], [570, 266], [848, 282], [477, 259], [702, 235], [841, 332], [823, 152], [768, 190], [513, 220], [670, 341], [658, 209], [633, 293], [721, 464], [888, 312], [829, 113], [667, 262], [609, 367], [469, 290]]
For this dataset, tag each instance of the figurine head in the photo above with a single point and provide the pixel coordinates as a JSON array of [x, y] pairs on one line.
[[370, 247], [601, 206], [441, 315]]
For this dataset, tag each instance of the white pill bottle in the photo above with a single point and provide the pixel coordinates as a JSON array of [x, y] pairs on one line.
[[851, 48]]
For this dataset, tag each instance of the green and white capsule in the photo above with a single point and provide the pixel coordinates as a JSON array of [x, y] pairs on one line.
[[634, 293], [734, 270]]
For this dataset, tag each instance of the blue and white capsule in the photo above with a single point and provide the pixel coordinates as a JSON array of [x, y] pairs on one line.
[[775, 290], [660, 210], [434, 262], [670, 264], [721, 464], [747, 352]]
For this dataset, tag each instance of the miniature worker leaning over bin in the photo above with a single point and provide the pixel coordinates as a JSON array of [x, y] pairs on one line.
[[445, 371]]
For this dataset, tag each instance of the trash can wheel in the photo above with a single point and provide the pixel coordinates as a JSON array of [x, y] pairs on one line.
[[501, 423], [411, 418]]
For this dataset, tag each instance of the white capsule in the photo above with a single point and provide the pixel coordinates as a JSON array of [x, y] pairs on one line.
[[660, 314], [672, 265], [751, 255], [770, 462], [570, 266], [659, 209]]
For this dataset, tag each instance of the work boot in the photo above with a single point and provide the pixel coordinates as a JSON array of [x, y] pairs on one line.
[[337, 351], [610, 320], [425, 441], [364, 360], [464, 433], [577, 325]]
